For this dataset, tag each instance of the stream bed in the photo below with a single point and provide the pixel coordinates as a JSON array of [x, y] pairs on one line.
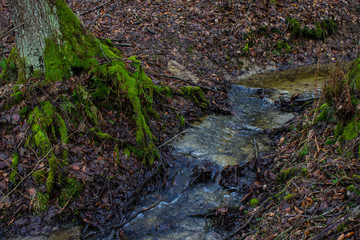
[[214, 142]]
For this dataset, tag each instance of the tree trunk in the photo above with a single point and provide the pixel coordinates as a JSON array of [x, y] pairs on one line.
[[52, 44], [50, 40]]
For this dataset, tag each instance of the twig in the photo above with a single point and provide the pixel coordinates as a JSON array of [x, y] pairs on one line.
[[136, 214], [188, 82], [343, 220], [95, 8], [282, 34], [123, 44], [3, 34], [248, 221], [172, 139]]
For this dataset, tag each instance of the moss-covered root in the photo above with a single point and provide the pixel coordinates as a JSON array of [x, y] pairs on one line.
[[14, 168], [196, 95], [138, 89], [47, 124]]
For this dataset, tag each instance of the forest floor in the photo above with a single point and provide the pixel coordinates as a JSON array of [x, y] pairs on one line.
[[206, 44]]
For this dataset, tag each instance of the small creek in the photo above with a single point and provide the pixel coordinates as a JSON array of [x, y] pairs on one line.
[[218, 141], [214, 142]]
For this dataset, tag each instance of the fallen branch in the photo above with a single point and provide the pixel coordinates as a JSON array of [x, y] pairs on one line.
[[188, 82], [136, 214], [9, 30], [172, 139], [95, 8], [355, 213], [249, 220], [123, 44]]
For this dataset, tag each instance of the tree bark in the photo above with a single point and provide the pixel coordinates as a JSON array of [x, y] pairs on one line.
[[50, 40], [37, 21]]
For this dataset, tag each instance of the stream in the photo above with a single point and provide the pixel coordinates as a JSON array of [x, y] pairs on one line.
[[214, 142]]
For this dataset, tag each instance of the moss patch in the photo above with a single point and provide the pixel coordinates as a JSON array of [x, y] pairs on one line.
[[196, 95], [43, 121], [254, 202], [71, 190], [14, 167]]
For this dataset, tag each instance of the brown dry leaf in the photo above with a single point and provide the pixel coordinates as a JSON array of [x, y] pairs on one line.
[[270, 214], [341, 237], [292, 219], [75, 166], [349, 234], [32, 192], [298, 210]]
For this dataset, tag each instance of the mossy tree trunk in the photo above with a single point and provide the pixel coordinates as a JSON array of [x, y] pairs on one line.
[[53, 45], [50, 40]]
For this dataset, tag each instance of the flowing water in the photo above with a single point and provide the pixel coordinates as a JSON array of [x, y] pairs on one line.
[[215, 142], [212, 143]]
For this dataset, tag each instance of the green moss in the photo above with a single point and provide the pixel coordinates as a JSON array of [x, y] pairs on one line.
[[63, 134], [304, 172], [294, 27], [10, 73], [116, 150], [40, 176], [53, 166], [42, 120], [326, 113], [330, 141], [340, 228], [91, 63], [14, 167], [56, 67], [196, 95], [338, 129], [246, 48], [24, 112], [321, 31], [37, 74], [304, 151], [139, 90], [356, 178], [286, 174], [350, 131], [254, 202], [182, 121], [15, 99], [163, 91], [353, 189], [288, 197], [41, 202], [127, 152], [74, 52], [282, 47], [71, 190], [325, 28]]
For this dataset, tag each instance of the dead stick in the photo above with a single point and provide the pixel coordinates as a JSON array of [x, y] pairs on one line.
[[10, 30], [249, 220], [188, 82], [95, 8], [136, 214], [172, 139], [343, 220]]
